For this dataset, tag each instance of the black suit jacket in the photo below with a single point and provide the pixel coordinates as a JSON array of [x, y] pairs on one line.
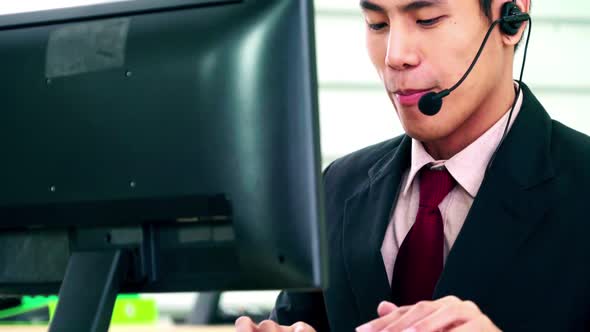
[[523, 254]]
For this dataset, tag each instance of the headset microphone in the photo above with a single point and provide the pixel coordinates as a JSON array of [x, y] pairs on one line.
[[511, 20]]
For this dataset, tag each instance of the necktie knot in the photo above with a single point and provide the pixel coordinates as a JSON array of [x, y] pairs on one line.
[[435, 185]]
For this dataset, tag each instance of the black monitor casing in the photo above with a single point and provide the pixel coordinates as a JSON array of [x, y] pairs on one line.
[[177, 140]]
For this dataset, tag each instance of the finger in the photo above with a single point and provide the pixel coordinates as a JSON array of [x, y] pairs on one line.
[[245, 324], [482, 323], [418, 312], [269, 326], [380, 323], [385, 308], [301, 327], [449, 316]]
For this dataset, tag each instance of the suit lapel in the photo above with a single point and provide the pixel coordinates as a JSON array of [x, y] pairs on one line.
[[500, 220], [512, 200], [366, 216]]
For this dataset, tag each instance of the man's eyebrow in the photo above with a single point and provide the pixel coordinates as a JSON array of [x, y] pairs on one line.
[[367, 5], [409, 7], [419, 4]]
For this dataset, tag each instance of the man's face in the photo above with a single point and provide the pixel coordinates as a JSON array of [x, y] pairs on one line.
[[427, 45]]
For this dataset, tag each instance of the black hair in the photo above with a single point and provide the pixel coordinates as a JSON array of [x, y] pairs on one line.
[[486, 7]]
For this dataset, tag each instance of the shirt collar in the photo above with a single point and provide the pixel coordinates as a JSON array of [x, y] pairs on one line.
[[467, 167]]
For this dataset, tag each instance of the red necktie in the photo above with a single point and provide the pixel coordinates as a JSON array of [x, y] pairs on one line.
[[419, 261]]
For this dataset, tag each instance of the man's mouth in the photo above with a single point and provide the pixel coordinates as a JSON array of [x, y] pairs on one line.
[[409, 97]]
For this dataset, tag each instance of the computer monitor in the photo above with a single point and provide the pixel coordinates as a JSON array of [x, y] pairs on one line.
[[158, 146]]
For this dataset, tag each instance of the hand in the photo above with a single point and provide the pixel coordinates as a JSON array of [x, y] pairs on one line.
[[446, 314], [245, 324]]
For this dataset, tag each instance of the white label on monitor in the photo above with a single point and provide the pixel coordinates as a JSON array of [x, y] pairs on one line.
[[86, 47]]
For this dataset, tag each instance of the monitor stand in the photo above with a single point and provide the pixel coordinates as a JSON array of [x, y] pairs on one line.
[[89, 290]]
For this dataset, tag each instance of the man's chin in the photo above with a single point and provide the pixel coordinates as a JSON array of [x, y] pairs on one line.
[[426, 135]]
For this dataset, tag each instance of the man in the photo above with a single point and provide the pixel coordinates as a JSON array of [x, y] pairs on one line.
[[510, 230]]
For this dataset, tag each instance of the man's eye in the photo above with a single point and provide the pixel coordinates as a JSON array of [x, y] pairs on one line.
[[377, 26], [429, 22]]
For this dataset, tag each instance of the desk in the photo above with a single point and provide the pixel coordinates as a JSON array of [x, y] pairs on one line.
[[8, 328]]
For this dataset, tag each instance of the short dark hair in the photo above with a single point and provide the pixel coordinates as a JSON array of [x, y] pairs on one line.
[[486, 7]]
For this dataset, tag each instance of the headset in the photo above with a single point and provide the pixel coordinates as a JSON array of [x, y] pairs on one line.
[[510, 21]]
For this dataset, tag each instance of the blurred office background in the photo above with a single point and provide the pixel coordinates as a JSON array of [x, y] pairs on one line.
[[355, 112]]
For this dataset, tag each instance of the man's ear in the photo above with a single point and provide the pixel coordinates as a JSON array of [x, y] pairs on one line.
[[525, 6]]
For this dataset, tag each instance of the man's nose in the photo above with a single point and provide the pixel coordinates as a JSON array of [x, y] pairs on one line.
[[401, 51]]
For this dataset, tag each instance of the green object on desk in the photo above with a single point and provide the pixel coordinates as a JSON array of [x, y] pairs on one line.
[[129, 309], [27, 304]]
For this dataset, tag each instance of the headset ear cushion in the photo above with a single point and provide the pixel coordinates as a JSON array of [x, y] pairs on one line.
[[510, 28]]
